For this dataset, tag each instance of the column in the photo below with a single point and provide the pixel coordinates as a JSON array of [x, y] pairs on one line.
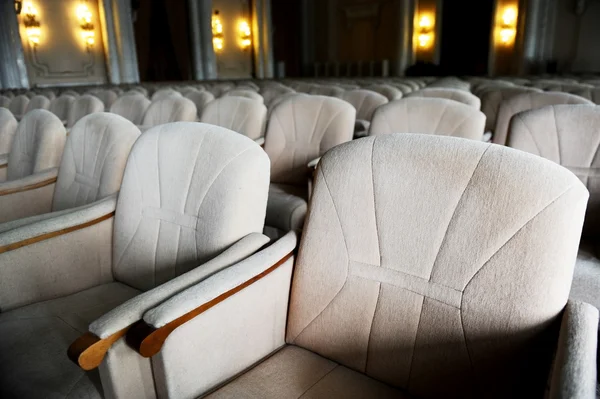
[[406, 9], [109, 40], [262, 39], [538, 35], [204, 61], [13, 72]]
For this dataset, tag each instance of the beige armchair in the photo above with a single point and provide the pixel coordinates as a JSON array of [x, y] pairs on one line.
[[459, 95], [8, 128], [237, 113], [168, 109], [366, 102], [411, 280], [131, 107], [191, 203], [82, 106]]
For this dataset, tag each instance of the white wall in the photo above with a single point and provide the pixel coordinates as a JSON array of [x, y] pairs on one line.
[[61, 58]]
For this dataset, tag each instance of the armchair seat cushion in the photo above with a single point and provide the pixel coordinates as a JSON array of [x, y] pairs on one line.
[[586, 277], [286, 207], [35, 338], [294, 372]]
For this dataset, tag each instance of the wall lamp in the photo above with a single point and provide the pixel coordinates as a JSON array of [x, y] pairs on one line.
[[507, 31], [217, 31], [18, 6], [245, 34], [84, 15], [32, 24], [425, 27]]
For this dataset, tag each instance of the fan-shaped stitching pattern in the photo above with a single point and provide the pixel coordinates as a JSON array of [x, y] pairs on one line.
[[375, 201], [557, 130], [468, 117], [371, 328], [324, 130], [523, 122], [441, 116], [314, 126]]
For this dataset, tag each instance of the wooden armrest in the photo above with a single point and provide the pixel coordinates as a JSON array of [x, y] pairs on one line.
[[28, 187], [88, 351], [148, 341]]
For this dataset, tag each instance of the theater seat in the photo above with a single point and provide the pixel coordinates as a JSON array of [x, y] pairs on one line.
[[82, 106], [390, 92], [8, 128], [5, 102], [411, 280], [200, 99], [60, 107], [108, 98], [246, 93], [164, 93], [168, 109], [192, 195], [240, 114], [428, 116], [37, 102], [131, 107], [366, 103], [459, 95], [18, 105]]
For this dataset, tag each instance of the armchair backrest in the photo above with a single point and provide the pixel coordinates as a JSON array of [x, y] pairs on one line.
[[240, 114], [131, 107], [169, 109], [437, 265], [200, 99], [60, 106], [82, 106], [245, 93], [8, 128], [459, 95], [302, 128], [365, 102], [94, 160], [38, 102], [190, 191], [19, 104], [424, 115], [38, 144]]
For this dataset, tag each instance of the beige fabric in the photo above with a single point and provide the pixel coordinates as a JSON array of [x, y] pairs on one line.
[[18, 105], [94, 160], [421, 272], [38, 144], [527, 101], [491, 100], [302, 128], [242, 115], [451, 94], [176, 207], [131, 107], [322, 90], [436, 116], [586, 279], [169, 109], [287, 206], [252, 95], [26, 203], [451, 82], [70, 93], [201, 99], [37, 102], [390, 92], [295, 373], [60, 106], [569, 136], [271, 93], [165, 93], [365, 102], [33, 360], [82, 106], [108, 98], [8, 128], [592, 94], [5, 102]]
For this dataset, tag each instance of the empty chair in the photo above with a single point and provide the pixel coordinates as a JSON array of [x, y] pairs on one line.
[[192, 201], [18, 105], [459, 95], [491, 100], [365, 102], [301, 129], [592, 94], [169, 109], [246, 94], [61, 106], [200, 99], [164, 93], [428, 116], [82, 106], [569, 136], [8, 128], [131, 107], [270, 93], [37, 102], [526, 101], [240, 114], [390, 92], [325, 90], [451, 83], [410, 281], [5, 101], [70, 93], [140, 89], [49, 94], [108, 97]]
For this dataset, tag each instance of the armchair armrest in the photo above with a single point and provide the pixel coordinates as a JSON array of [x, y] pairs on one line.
[[67, 251], [260, 141], [158, 323], [31, 195], [574, 372], [3, 167], [361, 128], [89, 350]]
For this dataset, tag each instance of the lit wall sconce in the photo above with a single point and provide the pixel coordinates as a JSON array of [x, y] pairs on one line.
[[425, 31], [84, 15], [32, 24], [18, 6], [507, 30], [217, 31], [245, 34]]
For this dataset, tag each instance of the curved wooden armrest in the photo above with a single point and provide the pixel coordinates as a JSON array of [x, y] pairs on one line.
[[148, 341], [88, 351], [3, 165], [28, 187]]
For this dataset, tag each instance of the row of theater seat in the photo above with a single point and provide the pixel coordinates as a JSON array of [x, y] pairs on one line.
[[428, 266]]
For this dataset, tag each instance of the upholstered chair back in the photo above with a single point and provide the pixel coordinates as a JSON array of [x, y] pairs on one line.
[[8, 128], [19, 104], [451, 83], [270, 93], [491, 100], [325, 90], [200, 99], [5, 101], [94, 160], [527, 101], [428, 116], [82, 106], [459, 95], [70, 93], [166, 225], [38, 144], [240, 114], [37, 102], [164, 93], [415, 272], [131, 107], [301, 129], [592, 94], [108, 98], [569, 136], [365, 102], [61, 105], [388, 91], [245, 93], [169, 109]]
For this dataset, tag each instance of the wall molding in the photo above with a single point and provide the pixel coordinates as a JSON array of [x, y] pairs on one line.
[[44, 70]]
